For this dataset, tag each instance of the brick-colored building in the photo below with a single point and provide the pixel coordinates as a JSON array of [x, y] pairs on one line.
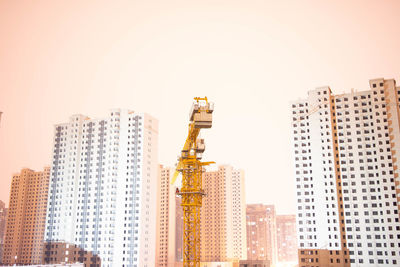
[[261, 233], [254, 263], [26, 217], [64, 253], [286, 237], [77, 264]]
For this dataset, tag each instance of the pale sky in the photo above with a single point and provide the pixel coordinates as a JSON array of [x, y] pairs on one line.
[[251, 58]]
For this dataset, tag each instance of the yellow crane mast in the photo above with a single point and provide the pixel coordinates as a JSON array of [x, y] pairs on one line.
[[191, 167]]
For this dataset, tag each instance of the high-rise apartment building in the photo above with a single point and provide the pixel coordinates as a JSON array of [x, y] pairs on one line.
[[102, 192], [178, 231], [169, 245], [261, 233], [286, 238], [166, 217], [223, 216], [347, 176], [23, 243], [3, 216]]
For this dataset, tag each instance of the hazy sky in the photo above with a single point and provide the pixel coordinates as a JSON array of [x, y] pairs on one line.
[[251, 58]]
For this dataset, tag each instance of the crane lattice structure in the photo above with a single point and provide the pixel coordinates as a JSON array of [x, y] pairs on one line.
[[191, 167]]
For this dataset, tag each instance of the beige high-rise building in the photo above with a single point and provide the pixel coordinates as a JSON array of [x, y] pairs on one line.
[[179, 231], [26, 217], [166, 216], [261, 233], [346, 159], [169, 245], [223, 216], [286, 238]]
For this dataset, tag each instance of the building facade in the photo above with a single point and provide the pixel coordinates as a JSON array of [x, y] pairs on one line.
[[347, 177], [223, 216], [102, 192], [55, 265], [178, 231], [261, 233], [166, 217], [23, 243], [3, 217], [64, 253], [286, 238], [254, 263]]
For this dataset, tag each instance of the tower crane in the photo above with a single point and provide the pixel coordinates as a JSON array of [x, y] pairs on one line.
[[191, 168]]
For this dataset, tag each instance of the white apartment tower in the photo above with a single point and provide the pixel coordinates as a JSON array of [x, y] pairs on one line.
[[102, 191], [346, 169], [223, 216]]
